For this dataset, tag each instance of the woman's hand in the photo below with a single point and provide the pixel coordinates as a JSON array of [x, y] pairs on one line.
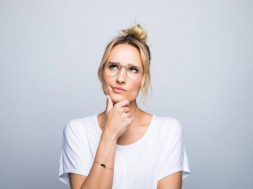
[[118, 117]]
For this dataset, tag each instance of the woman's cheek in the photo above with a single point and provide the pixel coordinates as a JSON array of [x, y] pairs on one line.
[[105, 85], [105, 88], [136, 88]]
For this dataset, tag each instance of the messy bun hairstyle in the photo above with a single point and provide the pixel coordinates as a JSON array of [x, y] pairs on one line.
[[136, 37], [135, 32]]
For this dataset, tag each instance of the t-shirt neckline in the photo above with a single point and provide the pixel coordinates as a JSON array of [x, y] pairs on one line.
[[136, 142]]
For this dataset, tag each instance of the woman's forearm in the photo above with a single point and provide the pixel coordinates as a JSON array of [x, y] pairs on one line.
[[100, 176]]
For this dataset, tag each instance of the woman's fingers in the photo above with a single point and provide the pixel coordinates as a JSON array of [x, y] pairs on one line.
[[126, 109], [118, 116]]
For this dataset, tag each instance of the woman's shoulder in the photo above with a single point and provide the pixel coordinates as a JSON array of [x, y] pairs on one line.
[[168, 128], [80, 123], [168, 122]]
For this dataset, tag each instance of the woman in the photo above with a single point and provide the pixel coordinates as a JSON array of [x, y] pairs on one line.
[[124, 147]]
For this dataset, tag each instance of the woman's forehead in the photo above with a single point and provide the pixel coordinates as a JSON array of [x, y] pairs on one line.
[[125, 55]]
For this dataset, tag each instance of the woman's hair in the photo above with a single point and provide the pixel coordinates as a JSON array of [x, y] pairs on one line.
[[136, 37]]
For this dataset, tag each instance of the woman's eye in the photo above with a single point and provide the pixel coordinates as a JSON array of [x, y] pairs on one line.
[[134, 69], [113, 66]]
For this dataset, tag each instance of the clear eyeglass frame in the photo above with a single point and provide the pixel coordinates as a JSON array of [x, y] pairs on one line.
[[127, 69]]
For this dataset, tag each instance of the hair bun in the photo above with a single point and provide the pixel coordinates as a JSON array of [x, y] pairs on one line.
[[136, 32]]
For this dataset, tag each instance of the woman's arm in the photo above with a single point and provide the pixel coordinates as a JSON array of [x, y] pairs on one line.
[[173, 181], [99, 177]]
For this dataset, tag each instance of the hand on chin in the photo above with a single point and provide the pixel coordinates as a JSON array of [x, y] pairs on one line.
[[117, 98]]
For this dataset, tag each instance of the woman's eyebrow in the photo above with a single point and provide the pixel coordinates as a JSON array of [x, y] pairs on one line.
[[111, 61]]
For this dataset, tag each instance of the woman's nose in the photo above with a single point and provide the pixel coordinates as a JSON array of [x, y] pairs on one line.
[[122, 74]]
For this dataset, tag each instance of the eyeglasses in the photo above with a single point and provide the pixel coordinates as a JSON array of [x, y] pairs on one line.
[[112, 69]]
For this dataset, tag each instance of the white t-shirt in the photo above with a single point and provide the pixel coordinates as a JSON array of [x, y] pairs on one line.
[[160, 152]]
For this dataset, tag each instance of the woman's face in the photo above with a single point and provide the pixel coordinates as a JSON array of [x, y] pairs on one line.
[[125, 55]]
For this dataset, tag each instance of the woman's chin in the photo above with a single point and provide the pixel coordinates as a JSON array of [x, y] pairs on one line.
[[116, 98]]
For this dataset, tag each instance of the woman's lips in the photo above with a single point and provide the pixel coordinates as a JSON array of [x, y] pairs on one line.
[[118, 90]]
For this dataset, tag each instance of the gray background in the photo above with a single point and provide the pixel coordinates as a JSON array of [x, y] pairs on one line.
[[201, 74]]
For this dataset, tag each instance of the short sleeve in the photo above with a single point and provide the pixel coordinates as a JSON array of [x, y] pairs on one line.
[[173, 156], [75, 155]]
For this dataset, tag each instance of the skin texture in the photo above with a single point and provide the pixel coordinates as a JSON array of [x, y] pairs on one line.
[[119, 124]]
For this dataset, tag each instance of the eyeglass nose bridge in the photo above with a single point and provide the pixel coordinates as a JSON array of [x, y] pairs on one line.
[[120, 66]]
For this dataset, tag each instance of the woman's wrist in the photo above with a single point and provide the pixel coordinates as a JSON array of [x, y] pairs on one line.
[[109, 137]]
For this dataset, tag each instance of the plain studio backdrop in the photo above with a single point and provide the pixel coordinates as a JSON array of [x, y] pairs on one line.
[[201, 70]]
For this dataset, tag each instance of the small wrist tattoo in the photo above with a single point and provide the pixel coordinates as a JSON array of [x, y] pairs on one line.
[[104, 166]]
